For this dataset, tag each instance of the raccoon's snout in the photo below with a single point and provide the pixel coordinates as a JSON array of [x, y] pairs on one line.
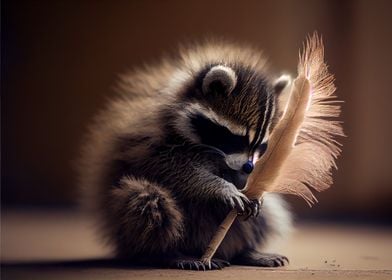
[[239, 180], [237, 161], [235, 176]]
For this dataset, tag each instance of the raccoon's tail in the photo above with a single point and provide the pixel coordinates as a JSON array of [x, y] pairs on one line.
[[143, 219]]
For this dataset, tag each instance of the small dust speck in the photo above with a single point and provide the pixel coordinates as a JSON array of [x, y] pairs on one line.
[[325, 261]]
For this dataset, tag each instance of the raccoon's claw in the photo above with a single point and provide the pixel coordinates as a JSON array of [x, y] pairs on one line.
[[252, 209], [195, 264], [272, 260], [239, 202], [218, 264], [255, 258]]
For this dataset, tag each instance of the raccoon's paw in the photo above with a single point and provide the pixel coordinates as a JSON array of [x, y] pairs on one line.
[[255, 258], [253, 210], [196, 264], [271, 260], [234, 199]]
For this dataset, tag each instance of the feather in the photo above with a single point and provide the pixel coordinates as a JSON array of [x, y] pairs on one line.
[[302, 148], [312, 159], [308, 163]]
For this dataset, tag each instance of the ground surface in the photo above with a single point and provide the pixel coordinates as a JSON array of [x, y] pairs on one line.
[[61, 245]]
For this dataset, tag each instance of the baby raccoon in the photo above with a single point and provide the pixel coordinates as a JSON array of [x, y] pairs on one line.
[[164, 163]]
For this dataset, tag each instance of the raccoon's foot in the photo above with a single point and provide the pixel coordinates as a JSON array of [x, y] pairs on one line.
[[186, 263], [255, 258]]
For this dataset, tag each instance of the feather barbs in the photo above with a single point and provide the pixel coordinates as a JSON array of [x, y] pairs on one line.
[[310, 163]]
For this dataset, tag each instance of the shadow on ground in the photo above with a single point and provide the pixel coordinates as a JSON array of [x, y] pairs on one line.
[[83, 263]]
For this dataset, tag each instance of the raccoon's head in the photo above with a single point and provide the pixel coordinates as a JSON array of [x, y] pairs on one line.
[[231, 108]]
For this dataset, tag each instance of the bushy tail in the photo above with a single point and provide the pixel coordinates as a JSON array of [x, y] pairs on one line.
[[142, 219]]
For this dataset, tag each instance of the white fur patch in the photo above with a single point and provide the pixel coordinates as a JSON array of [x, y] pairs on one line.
[[278, 219], [237, 160]]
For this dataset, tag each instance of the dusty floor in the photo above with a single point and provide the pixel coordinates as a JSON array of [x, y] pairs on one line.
[[61, 245]]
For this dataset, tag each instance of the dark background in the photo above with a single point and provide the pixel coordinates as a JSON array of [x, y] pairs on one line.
[[60, 59]]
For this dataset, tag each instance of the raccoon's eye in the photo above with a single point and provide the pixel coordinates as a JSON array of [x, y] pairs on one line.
[[216, 135]]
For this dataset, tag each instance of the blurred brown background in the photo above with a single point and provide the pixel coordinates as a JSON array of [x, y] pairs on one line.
[[60, 59]]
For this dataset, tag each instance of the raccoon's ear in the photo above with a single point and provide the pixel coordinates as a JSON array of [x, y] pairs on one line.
[[220, 79], [281, 83], [280, 86]]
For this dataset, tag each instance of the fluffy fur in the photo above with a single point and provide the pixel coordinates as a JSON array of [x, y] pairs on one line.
[[158, 172]]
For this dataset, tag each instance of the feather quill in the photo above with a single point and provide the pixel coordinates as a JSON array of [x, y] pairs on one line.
[[302, 147]]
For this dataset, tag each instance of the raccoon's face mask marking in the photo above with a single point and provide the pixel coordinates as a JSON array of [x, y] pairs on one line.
[[237, 148], [218, 136], [239, 155]]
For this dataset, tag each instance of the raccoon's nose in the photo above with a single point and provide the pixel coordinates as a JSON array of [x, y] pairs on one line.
[[248, 167]]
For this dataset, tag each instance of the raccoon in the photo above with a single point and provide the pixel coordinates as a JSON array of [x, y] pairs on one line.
[[166, 159]]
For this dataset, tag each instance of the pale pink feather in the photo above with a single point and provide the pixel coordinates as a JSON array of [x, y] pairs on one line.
[[312, 159]]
